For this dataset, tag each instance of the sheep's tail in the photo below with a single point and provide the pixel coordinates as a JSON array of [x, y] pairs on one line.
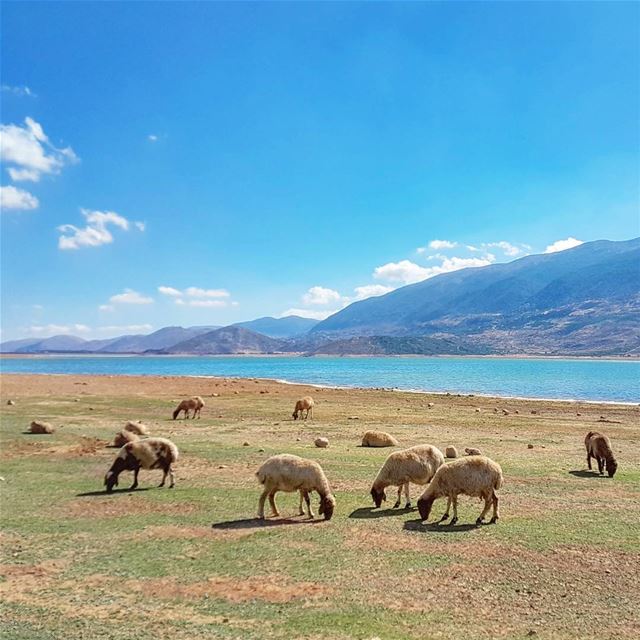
[[498, 482]]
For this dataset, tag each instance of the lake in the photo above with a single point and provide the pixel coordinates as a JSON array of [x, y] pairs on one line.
[[570, 379]]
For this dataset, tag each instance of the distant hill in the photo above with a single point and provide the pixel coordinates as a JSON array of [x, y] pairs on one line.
[[584, 300], [53, 344], [286, 327], [161, 339], [228, 340], [394, 345]]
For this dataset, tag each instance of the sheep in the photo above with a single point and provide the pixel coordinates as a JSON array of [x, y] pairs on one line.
[[378, 439], [321, 443], [305, 404], [451, 452], [289, 473], [124, 436], [136, 427], [194, 404], [416, 464], [470, 451], [599, 447], [476, 476], [38, 426], [149, 453]]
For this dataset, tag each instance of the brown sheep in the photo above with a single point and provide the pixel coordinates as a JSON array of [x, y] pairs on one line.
[[194, 404], [124, 436], [599, 447], [470, 451], [136, 427], [305, 404]]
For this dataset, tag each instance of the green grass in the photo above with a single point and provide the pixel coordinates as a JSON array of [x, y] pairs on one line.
[[140, 565]]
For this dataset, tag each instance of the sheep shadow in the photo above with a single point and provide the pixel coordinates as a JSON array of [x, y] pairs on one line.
[[103, 492], [373, 512], [440, 527], [257, 523], [586, 473]]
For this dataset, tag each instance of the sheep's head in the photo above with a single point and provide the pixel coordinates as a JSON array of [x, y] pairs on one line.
[[612, 467], [295, 414], [110, 481], [327, 506], [424, 507], [378, 496]]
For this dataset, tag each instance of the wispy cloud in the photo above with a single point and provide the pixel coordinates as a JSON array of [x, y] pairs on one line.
[[371, 290], [561, 245], [106, 307], [20, 90], [129, 296], [48, 330], [125, 328], [95, 233], [210, 304], [12, 198], [28, 152], [313, 314], [152, 137], [198, 297]]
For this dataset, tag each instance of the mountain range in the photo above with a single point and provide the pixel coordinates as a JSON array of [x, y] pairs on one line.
[[581, 301]]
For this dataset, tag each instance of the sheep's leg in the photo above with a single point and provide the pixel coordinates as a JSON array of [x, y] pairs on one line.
[[263, 497], [272, 502], [311, 410], [600, 465], [300, 509], [496, 515], [487, 505], [445, 515], [135, 478], [307, 499], [397, 504], [407, 496], [589, 460], [172, 480], [164, 476], [454, 500]]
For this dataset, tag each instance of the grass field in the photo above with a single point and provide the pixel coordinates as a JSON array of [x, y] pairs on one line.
[[192, 562]]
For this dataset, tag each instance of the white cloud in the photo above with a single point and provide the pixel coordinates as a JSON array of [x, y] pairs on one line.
[[152, 137], [28, 150], [509, 249], [442, 244], [320, 296], [129, 296], [141, 226], [202, 303], [106, 307], [19, 90], [56, 329], [314, 314], [370, 290], [561, 245], [95, 233], [404, 271], [13, 198], [169, 291], [195, 292]]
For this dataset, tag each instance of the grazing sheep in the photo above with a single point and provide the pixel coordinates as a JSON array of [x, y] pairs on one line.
[[470, 451], [136, 427], [378, 439], [194, 404], [150, 453], [11, 403], [599, 447], [476, 476], [430, 405], [41, 427], [416, 464], [124, 436], [321, 443], [451, 452], [288, 473], [305, 404]]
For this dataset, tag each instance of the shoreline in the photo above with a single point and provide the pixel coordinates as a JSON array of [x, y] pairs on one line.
[[289, 383]]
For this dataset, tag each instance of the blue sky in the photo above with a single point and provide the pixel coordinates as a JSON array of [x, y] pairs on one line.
[[205, 163]]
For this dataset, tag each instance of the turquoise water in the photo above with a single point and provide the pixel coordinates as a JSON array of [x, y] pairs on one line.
[[604, 380]]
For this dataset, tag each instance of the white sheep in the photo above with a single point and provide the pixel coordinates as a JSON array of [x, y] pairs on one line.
[[136, 427], [475, 476], [305, 404], [378, 439], [451, 452], [149, 453], [417, 464], [124, 436], [194, 404], [37, 426], [289, 473]]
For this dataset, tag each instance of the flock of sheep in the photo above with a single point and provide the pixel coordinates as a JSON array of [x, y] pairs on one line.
[[474, 475]]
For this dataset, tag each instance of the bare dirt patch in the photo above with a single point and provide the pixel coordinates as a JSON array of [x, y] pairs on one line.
[[119, 505], [274, 589]]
